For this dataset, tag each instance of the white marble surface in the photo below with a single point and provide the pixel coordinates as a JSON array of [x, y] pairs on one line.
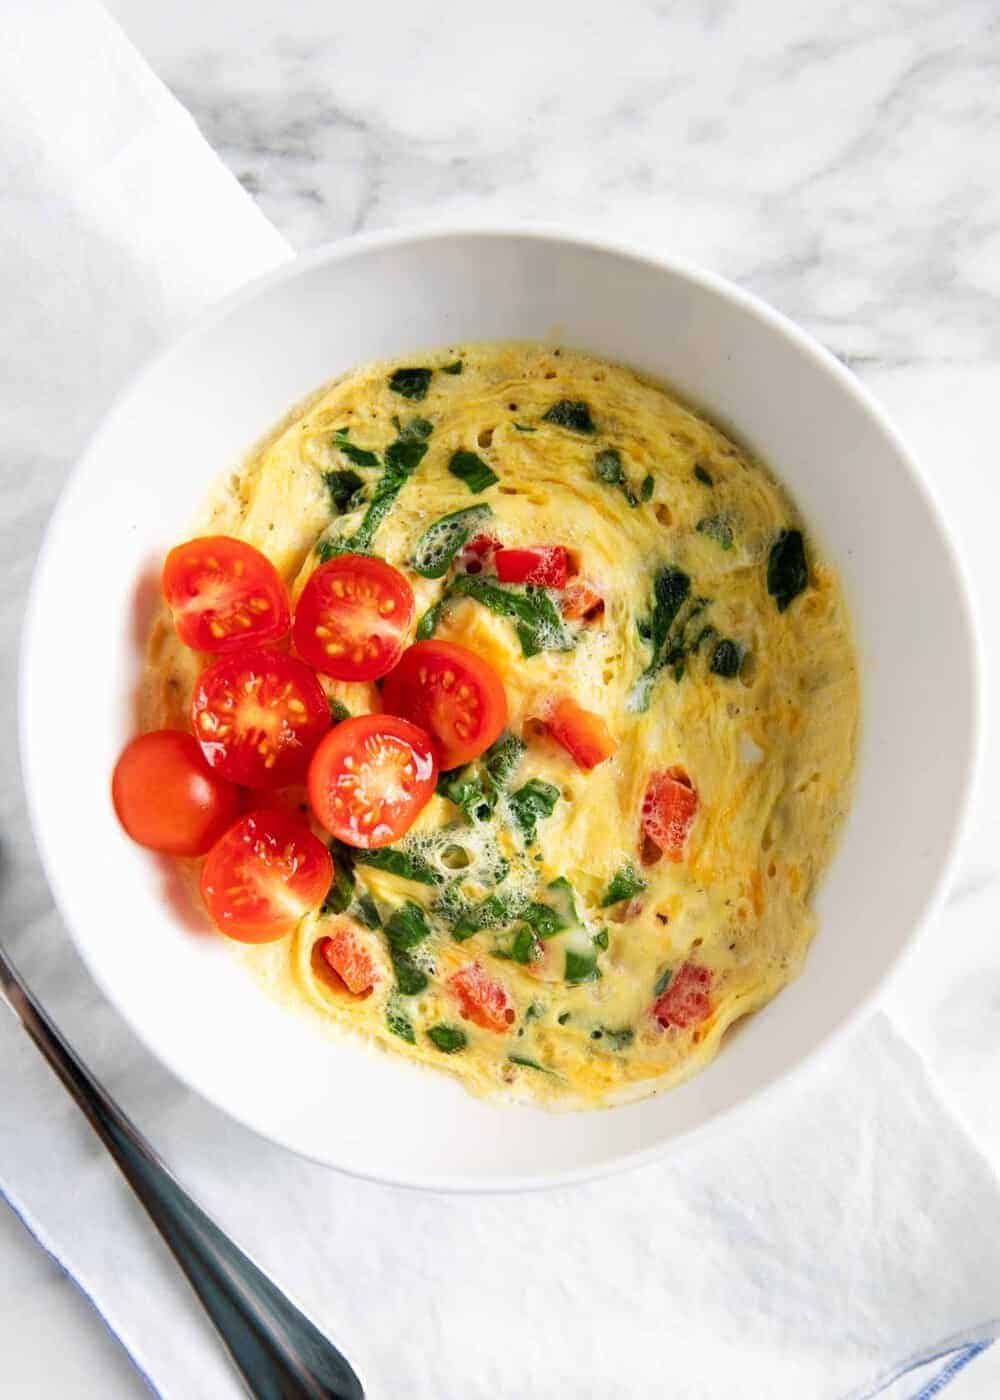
[[840, 160]]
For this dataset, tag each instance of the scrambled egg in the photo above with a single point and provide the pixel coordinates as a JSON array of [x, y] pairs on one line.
[[590, 456]]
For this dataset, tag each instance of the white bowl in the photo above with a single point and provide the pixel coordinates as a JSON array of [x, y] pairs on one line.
[[200, 405]]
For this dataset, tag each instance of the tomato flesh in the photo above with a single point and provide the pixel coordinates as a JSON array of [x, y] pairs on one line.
[[476, 554], [686, 1001], [224, 594], [544, 564], [345, 952], [168, 798], [258, 715], [263, 875], [481, 998], [583, 734], [669, 807], [352, 618], [580, 601], [370, 779], [453, 694]]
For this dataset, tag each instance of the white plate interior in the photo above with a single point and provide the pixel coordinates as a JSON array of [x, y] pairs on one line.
[[199, 408]]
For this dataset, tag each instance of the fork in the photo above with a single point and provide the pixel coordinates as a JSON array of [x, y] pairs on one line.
[[279, 1353]]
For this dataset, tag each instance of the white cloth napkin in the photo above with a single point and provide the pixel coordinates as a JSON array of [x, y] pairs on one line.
[[842, 1240]]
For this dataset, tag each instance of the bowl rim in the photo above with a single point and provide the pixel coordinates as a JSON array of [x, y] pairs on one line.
[[636, 251]]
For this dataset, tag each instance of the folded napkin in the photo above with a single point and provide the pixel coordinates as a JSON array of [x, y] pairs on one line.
[[842, 1239]]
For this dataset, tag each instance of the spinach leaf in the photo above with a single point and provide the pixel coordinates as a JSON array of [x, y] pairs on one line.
[[684, 641], [447, 1038], [338, 712], [383, 499], [476, 788], [521, 947], [580, 947], [570, 413], [618, 1039], [528, 1063], [442, 540], [503, 756], [663, 981], [427, 624], [581, 966], [402, 457], [464, 787], [455, 367], [408, 865], [609, 469], [787, 572], [562, 902], [718, 528], [702, 475], [365, 911], [411, 980], [492, 912], [411, 383], [537, 620], [671, 588], [727, 658], [624, 884], [646, 489], [542, 918], [472, 470], [399, 1023], [343, 487], [531, 802], [409, 448], [360, 456], [608, 466], [670, 631], [341, 890], [407, 926]]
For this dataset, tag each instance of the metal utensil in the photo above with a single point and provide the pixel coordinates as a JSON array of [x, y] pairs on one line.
[[278, 1352]]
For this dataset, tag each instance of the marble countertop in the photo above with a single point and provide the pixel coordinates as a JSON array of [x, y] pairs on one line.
[[838, 160]]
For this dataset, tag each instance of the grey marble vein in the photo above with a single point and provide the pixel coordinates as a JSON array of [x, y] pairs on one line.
[[841, 161]]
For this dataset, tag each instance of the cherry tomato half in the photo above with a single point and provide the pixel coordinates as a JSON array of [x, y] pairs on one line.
[[583, 734], [167, 797], [685, 1002], [265, 874], [224, 594], [258, 715], [544, 564], [669, 807], [370, 779], [352, 618], [452, 693]]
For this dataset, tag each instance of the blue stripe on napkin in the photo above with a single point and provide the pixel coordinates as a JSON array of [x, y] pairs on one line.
[[931, 1371]]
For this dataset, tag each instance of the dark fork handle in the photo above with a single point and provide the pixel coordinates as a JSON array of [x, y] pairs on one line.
[[278, 1352]]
